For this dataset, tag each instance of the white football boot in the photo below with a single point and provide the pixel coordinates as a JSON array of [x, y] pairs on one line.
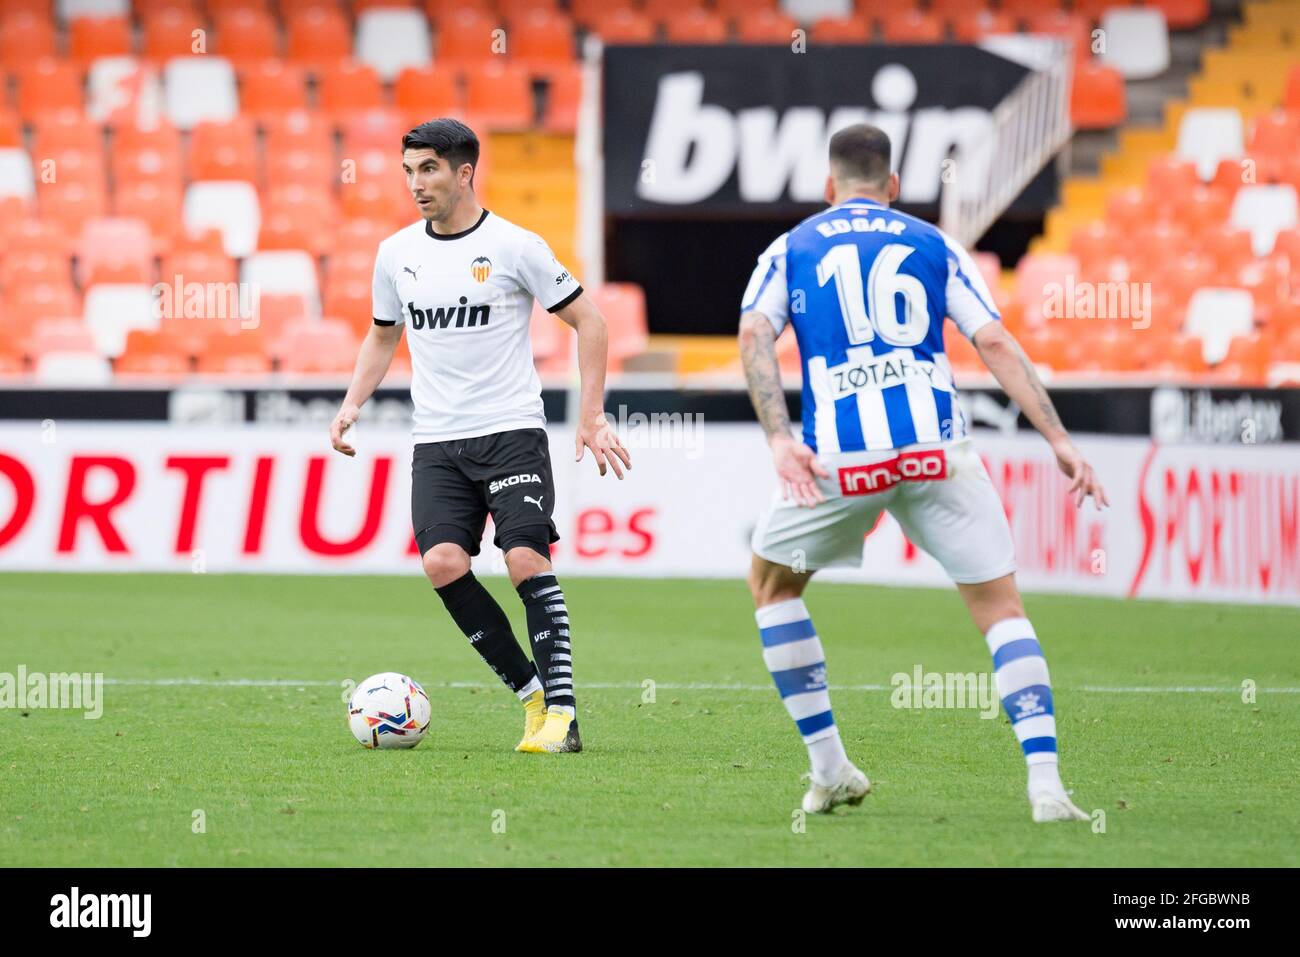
[[850, 787], [1055, 806]]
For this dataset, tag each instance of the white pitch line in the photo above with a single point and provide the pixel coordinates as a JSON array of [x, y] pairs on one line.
[[634, 686]]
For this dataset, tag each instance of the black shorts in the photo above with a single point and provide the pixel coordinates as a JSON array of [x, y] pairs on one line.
[[455, 485]]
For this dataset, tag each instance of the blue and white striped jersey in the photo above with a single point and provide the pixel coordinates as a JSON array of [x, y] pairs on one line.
[[867, 289]]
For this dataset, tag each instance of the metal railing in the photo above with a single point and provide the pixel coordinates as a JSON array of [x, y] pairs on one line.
[[1027, 129]]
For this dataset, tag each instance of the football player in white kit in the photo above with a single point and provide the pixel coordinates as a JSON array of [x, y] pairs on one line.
[[463, 280], [866, 290]]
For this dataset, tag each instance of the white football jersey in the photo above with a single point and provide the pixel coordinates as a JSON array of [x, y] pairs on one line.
[[466, 299]]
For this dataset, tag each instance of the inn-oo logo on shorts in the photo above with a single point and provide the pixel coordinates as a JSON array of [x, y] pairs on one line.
[[919, 466], [481, 268]]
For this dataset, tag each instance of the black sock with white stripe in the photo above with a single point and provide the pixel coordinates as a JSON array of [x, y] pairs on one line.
[[548, 630], [488, 630]]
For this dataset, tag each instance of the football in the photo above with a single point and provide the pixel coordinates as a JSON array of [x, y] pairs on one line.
[[389, 710]]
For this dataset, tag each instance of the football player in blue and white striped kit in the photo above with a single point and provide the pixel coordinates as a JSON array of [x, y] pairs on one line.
[[866, 290]]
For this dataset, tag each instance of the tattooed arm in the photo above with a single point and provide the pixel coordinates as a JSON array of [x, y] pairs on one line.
[[796, 464], [1019, 380]]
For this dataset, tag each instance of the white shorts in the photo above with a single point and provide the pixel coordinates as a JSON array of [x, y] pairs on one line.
[[941, 496]]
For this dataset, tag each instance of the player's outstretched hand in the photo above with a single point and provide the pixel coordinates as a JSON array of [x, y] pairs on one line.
[[346, 418], [597, 435], [1083, 480], [798, 468]]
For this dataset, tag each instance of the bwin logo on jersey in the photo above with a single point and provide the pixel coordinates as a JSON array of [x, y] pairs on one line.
[[441, 317], [497, 485]]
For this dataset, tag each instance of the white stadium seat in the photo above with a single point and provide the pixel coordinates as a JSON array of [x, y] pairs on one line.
[[1136, 42], [1264, 211], [806, 11], [284, 272], [16, 177], [1207, 135], [391, 39], [72, 9], [229, 206], [73, 369], [1215, 316], [199, 88], [111, 82], [114, 309]]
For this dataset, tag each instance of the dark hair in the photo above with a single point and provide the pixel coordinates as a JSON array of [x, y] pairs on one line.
[[860, 152], [451, 139]]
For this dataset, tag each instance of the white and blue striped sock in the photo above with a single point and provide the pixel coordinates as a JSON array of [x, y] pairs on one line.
[[1026, 692], [794, 655]]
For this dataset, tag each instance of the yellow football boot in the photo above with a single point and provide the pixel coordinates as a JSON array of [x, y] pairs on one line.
[[534, 717], [558, 735]]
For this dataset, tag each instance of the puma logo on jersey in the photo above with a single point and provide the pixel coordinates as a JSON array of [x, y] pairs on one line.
[[413, 271], [440, 317], [536, 501], [497, 485]]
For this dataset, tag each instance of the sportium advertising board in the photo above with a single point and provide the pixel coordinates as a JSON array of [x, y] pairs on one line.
[[1186, 521]]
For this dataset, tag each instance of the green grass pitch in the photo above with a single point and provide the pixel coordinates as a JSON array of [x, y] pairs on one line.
[[699, 776]]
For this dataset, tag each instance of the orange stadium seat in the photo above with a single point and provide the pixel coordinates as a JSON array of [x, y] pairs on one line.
[[115, 249], [234, 352], [68, 205], [167, 350], [299, 129], [34, 267], [667, 9], [47, 86], [765, 25], [275, 313], [347, 298], [36, 303], [563, 98], [465, 36], [300, 167], [623, 305], [268, 87], [514, 9], [223, 151], [346, 88], [436, 10], [911, 25], [694, 25], [359, 5], [500, 95], [380, 129], [26, 37], [151, 8], [91, 37], [1229, 248], [245, 35], [623, 25], [319, 36], [169, 33], [1246, 362], [11, 126], [424, 91], [187, 266], [841, 30], [289, 8], [541, 39], [971, 26], [62, 334], [158, 204], [321, 347], [358, 235], [1097, 98], [736, 10]]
